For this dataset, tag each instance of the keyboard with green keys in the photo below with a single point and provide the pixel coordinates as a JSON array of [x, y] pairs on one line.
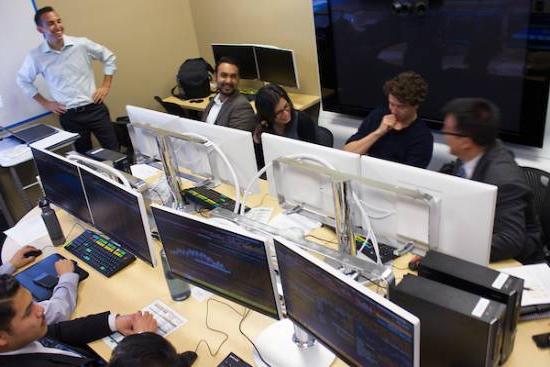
[[102, 254]]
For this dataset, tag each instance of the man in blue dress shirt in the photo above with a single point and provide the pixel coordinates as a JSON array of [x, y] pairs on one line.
[[66, 65]]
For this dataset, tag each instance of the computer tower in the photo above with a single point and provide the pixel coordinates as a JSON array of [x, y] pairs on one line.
[[457, 328], [484, 282]]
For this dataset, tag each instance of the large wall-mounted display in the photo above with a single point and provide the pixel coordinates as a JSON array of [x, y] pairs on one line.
[[498, 49]]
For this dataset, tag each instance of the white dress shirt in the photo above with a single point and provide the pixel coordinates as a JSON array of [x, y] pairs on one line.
[[68, 72], [214, 110], [470, 166]]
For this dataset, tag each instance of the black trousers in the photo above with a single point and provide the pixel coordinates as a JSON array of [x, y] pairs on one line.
[[92, 118]]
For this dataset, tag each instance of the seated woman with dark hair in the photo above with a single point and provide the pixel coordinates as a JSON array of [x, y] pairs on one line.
[[276, 115], [149, 350]]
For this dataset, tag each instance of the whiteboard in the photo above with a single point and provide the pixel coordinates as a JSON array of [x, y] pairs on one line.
[[19, 36]]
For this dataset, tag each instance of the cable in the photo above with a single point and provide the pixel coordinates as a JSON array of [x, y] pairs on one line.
[[247, 338], [370, 233], [302, 156], [321, 239], [388, 213], [226, 336]]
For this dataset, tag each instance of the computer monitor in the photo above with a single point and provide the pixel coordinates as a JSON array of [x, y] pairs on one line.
[[237, 145], [227, 262], [360, 326], [466, 208], [119, 212], [277, 65], [143, 141], [275, 146], [242, 54], [61, 182]]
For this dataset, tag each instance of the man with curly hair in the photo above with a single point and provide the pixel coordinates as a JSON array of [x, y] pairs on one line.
[[395, 132]]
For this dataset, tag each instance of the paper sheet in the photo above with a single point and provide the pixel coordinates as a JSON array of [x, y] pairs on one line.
[[262, 215], [199, 294], [143, 171], [30, 231], [537, 283], [168, 321]]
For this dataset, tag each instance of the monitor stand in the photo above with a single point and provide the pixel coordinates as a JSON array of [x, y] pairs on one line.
[[278, 347]]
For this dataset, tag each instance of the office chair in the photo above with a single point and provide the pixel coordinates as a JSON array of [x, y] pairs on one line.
[[172, 108], [323, 136], [121, 131], [539, 181]]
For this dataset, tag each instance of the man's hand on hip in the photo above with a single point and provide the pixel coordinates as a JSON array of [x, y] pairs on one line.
[[100, 94]]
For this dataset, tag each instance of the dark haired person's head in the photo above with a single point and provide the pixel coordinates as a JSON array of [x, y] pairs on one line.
[[38, 14], [470, 121], [227, 75], [405, 93], [49, 24], [148, 350], [21, 319], [273, 106]]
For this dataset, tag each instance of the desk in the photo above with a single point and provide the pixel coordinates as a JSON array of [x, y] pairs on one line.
[[301, 102], [139, 285], [13, 155]]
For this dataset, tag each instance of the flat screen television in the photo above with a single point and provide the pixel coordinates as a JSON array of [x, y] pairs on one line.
[[499, 50]]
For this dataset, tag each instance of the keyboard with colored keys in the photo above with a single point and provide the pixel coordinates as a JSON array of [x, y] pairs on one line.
[[102, 254]]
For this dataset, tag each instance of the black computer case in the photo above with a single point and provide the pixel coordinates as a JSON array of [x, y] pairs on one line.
[[484, 282], [457, 328]]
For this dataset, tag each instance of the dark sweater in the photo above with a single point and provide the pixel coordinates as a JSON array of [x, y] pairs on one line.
[[412, 145], [300, 127]]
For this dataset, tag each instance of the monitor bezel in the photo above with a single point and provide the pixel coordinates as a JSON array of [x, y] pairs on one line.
[[238, 231], [404, 314], [294, 64]]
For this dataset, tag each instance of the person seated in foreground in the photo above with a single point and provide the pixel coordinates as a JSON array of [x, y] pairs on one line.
[[149, 350], [276, 115], [395, 132], [63, 301], [27, 340], [470, 130]]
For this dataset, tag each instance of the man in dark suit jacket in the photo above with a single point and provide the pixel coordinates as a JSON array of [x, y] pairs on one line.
[[229, 107], [26, 339], [470, 130]]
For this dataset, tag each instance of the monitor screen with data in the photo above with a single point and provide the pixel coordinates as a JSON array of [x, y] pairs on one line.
[[225, 262], [118, 214], [61, 183], [360, 326]]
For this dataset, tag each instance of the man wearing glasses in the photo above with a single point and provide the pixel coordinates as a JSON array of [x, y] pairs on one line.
[[470, 130]]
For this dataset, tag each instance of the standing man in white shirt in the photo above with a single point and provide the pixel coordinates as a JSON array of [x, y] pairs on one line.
[[66, 65]]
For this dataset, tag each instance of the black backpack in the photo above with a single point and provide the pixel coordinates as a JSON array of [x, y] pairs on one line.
[[193, 79]]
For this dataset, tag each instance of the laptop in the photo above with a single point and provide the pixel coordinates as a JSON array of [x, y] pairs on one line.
[[34, 133]]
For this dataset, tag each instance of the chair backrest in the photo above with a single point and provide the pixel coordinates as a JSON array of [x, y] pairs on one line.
[[171, 108], [539, 181], [323, 136]]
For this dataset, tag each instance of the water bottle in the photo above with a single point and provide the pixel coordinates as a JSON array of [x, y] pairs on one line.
[[51, 222]]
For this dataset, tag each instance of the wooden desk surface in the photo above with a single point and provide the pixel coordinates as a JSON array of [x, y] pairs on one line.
[[138, 285], [301, 102]]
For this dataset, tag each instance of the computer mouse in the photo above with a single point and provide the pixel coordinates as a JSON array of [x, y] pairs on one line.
[[189, 357], [32, 253], [415, 263], [293, 233]]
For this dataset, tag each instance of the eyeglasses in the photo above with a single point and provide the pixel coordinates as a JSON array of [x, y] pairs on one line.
[[453, 134], [286, 108]]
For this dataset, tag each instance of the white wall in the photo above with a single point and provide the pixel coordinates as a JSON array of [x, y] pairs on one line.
[[343, 127]]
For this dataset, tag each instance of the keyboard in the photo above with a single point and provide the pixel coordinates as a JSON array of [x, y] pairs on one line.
[[232, 360], [385, 251], [102, 254], [209, 199]]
